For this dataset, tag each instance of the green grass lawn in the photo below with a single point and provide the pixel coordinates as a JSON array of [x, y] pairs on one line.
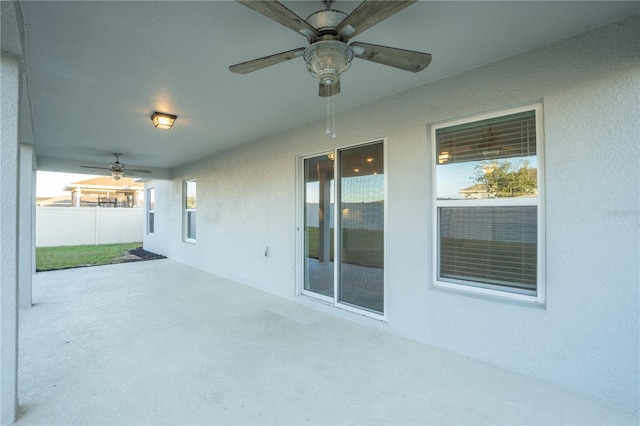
[[51, 258], [362, 247]]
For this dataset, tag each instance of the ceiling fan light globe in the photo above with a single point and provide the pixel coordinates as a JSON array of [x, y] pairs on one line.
[[329, 57]]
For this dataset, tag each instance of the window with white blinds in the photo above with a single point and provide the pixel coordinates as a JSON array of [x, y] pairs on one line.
[[487, 189]]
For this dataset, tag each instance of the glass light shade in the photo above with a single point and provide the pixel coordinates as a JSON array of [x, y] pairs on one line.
[[443, 157], [163, 121], [488, 168], [326, 60], [117, 175]]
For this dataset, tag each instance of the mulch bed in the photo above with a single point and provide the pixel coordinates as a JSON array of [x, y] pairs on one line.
[[139, 253]]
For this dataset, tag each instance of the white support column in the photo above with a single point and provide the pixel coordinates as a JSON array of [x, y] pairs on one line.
[[26, 240], [9, 169], [324, 226]]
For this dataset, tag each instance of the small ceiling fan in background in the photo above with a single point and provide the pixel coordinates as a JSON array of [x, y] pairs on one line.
[[328, 32], [118, 169]]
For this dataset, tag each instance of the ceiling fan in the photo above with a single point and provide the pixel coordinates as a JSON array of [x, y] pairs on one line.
[[118, 169], [328, 32]]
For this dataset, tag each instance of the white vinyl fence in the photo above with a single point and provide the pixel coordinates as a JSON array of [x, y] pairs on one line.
[[72, 226]]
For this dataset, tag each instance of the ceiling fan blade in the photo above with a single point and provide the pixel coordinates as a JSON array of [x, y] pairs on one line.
[[136, 171], [257, 64], [407, 60], [279, 13], [100, 168], [327, 90], [369, 13]]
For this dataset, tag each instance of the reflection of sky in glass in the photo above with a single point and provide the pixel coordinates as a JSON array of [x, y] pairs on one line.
[[313, 192], [362, 189], [451, 178], [152, 198], [356, 189]]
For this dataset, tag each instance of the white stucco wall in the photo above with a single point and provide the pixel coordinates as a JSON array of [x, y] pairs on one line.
[[586, 336], [9, 172], [26, 240]]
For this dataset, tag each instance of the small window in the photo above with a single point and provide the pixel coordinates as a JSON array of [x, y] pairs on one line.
[[487, 209], [151, 210], [190, 211]]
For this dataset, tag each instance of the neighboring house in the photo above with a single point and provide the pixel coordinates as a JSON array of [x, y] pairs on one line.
[[479, 191], [104, 191], [58, 226], [60, 201]]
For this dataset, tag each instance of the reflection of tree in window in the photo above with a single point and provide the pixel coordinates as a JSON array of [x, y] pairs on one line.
[[191, 201], [191, 195], [506, 179]]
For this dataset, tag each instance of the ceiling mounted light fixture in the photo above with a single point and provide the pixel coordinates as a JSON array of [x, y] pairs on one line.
[[162, 120], [443, 157], [326, 60]]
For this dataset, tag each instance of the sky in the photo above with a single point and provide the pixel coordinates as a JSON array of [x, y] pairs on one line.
[[50, 184]]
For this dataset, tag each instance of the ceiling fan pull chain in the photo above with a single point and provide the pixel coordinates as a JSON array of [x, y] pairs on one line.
[[333, 115], [328, 131]]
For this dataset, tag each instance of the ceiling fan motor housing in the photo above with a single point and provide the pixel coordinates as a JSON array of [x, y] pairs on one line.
[[326, 20], [117, 167]]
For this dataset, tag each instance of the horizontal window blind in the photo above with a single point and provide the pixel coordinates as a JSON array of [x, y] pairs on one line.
[[500, 137], [490, 245]]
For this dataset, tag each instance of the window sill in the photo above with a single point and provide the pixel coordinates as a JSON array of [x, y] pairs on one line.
[[489, 295]]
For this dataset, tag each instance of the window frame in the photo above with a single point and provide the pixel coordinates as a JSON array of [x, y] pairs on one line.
[[478, 288], [186, 211], [301, 241], [151, 211]]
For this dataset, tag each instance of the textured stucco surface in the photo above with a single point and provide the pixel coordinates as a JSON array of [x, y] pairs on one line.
[[160, 342], [9, 89], [586, 336], [26, 239]]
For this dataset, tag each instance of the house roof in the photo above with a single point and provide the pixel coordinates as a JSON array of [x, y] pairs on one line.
[[87, 61], [481, 187], [105, 182]]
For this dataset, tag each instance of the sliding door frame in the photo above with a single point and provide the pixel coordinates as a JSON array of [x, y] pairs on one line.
[[300, 231]]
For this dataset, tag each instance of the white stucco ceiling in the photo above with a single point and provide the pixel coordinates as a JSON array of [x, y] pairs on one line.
[[97, 70]]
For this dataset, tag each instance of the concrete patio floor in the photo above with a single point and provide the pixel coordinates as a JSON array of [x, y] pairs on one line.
[[159, 342]]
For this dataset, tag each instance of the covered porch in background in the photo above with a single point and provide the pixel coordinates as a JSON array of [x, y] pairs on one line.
[[106, 192]]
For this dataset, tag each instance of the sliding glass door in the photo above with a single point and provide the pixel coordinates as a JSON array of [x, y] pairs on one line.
[[344, 206], [319, 225], [361, 230]]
